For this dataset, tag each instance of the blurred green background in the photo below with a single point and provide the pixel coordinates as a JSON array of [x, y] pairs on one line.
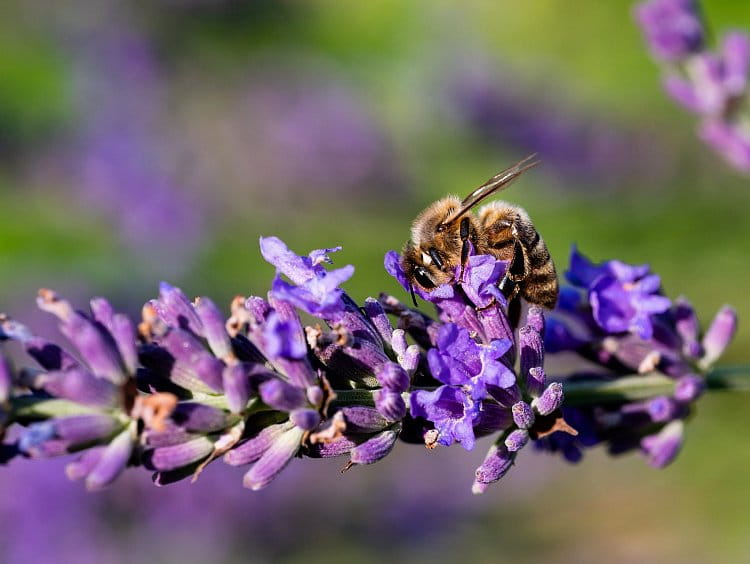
[[148, 141]]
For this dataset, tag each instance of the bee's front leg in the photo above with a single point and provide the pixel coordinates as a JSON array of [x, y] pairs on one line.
[[465, 247]]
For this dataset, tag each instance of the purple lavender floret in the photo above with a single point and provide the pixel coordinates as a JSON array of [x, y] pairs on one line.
[[314, 289], [98, 395], [673, 28], [714, 82], [472, 355], [674, 346], [623, 297]]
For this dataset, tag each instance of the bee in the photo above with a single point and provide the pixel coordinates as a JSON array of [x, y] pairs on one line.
[[441, 236]]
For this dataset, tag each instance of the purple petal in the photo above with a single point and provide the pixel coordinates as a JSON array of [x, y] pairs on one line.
[[112, 462], [374, 449], [495, 372], [377, 316], [550, 400], [516, 440], [83, 466], [200, 418], [393, 377], [169, 458], [673, 28], [35, 435], [481, 275], [661, 409], [194, 367], [78, 385], [496, 464], [451, 410], [684, 92], [319, 256], [6, 379], [720, 333], [97, 348], [236, 384], [273, 460], [390, 404], [306, 419], [253, 448], [298, 269], [361, 419], [688, 328], [80, 429], [174, 309], [535, 319], [523, 415], [729, 140], [281, 395], [282, 339], [214, 329], [735, 48], [316, 297], [582, 271], [531, 347], [689, 388], [121, 329], [662, 448]]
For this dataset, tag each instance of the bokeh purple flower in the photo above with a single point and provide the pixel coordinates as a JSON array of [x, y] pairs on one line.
[[711, 84], [501, 109], [673, 28]]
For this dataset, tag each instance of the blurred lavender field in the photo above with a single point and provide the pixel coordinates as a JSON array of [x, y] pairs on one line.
[[147, 142]]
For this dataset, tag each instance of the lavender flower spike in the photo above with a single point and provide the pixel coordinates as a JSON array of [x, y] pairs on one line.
[[261, 388]]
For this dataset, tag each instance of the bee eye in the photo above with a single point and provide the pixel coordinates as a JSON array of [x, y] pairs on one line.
[[420, 275]]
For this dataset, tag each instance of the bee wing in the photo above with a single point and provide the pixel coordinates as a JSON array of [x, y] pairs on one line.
[[498, 182]]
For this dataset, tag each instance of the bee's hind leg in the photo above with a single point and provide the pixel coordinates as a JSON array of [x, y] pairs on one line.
[[510, 285]]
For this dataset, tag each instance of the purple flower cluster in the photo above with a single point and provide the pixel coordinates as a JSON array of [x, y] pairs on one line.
[[473, 357], [614, 315], [89, 404], [711, 84], [186, 385]]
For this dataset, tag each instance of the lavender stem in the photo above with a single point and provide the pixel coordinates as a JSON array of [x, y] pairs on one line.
[[629, 388]]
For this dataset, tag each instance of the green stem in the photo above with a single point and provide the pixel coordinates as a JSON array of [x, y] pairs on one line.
[[583, 393], [729, 378], [28, 407]]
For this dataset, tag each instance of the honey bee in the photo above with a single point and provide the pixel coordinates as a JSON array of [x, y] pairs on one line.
[[441, 234]]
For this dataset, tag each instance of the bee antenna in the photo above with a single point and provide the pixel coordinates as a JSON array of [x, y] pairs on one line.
[[413, 295]]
